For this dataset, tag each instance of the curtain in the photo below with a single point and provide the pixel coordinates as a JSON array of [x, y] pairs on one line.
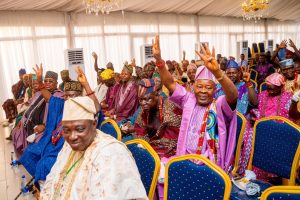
[[29, 38]]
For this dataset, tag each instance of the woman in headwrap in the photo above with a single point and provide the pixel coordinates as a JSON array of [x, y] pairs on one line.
[[158, 120], [272, 102]]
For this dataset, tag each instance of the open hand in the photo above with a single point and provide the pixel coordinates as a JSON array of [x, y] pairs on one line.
[[156, 48], [209, 58], [95, 56], [283, 44], [292, 44], [246, 74], [80, 75], [39, 72]]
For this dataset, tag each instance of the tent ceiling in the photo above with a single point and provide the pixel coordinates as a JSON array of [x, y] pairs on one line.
[[279, 9]]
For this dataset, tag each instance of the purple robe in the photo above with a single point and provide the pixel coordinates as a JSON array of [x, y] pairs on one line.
[[226, 119], [126, 101]]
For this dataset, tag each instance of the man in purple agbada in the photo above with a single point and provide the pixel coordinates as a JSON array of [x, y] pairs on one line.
[[208, 126]]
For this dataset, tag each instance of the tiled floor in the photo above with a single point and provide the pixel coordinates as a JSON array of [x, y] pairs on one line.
[[10, 181]]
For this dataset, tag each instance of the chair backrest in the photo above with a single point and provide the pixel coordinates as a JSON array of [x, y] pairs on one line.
[[253, 74], [184, 179], [148, 164], [281, 193], [110, 127], [276, 147], [240, 130], [254, 84], [262, 87]]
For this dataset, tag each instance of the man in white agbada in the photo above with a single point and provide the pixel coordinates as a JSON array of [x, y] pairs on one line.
[[91, 165]]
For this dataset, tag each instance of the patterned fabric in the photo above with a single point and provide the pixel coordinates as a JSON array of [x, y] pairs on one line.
[[164, 140], [73, 86], [51, 74], [275, 147], [109, 129], [289, 84], [145, 163], [243, 100], [195, 182], [106, 171], [283, 196]]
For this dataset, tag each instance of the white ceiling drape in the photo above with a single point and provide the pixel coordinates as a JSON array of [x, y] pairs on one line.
[[279, 9]]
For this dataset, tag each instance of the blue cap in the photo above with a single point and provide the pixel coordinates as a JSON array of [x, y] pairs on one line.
[[232, 64], [22, 71]]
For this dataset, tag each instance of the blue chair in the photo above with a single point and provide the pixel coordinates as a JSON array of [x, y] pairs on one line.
[[281, 193], [263, 86], [253, 75], [110, 127], [148, 164], [185, 179], [276, 147], [240, 130], [254, 84]]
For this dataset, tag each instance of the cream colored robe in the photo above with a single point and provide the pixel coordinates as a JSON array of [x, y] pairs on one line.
[[108, 171]]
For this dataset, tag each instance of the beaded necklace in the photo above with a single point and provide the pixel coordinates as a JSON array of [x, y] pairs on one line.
[[202, 131]]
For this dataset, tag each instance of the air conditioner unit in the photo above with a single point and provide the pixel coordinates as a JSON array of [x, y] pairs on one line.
[[197, 48], [242, 48], [74, 58], [146, 54], [270, 46]]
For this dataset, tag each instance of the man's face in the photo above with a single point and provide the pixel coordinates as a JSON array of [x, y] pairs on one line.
[[139, 72], [79, 134], [109, 82], [21, 77], [273, 90], [233, 74], [289, 72], [71, 94], [242, 57], [64, 77], [149, 101], [262, 59], [185, 64], [191, 73], [50, 84], [148, 71], [125, 76], [204, 91], [26, 81], [35, 85]]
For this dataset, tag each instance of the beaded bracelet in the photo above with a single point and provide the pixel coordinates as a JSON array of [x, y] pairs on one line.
[[91, 93]]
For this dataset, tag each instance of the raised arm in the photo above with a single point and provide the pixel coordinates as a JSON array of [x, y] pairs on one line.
[[252, 96], [84, 82], [95, 56], [212, 65], [281, 46], [39, 77], [297, 52], [166, 78]]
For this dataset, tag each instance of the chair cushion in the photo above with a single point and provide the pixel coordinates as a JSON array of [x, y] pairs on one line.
[[109, 129], [195, 182]]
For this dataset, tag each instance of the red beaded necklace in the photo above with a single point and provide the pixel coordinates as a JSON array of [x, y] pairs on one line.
[[202, 131], [56, 134]]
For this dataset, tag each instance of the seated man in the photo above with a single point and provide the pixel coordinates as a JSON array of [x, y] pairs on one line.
[[246, 93], [39, 158], [263, 68], [208, 126], [158, 120], [108, 78], [288, 70], [65, 77], [91, 165], [126, 99]]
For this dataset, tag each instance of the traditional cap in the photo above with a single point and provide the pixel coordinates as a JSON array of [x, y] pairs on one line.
[[107, 74], [73, 86], [191, 66], [287, 63], [64, 72], [275, 79], [22, 71], [79, 108], [128, 68], [232, 64], [147, 86], [204, 73], [33, 77], [51, 74]]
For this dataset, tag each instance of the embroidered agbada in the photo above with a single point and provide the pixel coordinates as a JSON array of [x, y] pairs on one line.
[[126, 101], [226, 119], [106, 171]]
